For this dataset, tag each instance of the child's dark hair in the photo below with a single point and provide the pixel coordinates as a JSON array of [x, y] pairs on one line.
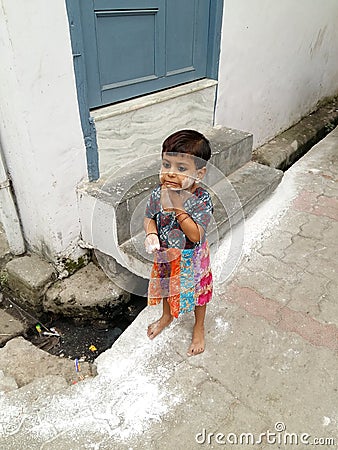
[[191, 142]]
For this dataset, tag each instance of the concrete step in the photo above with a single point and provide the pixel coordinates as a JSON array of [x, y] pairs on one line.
[[230, 148], [10, 327], [234, 198], [113, 206]]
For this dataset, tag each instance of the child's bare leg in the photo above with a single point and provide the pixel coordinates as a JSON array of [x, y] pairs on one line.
[[197, 343], [155, 328]]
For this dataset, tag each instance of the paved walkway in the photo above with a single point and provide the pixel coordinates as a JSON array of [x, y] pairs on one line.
[[270, 366]]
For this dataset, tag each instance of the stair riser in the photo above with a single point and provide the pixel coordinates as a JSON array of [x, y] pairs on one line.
[[228, 156], [231, 150], [228, 198]]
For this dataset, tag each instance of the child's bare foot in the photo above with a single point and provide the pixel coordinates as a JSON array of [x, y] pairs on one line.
[[197, 343], [155, 328]]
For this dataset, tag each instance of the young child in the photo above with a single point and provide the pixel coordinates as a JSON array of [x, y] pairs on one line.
[[176, 218]]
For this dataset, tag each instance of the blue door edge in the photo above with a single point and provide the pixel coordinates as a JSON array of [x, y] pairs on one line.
[[87, 122], [214, 42]]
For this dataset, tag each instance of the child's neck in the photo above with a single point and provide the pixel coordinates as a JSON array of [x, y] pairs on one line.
[[193, 187]]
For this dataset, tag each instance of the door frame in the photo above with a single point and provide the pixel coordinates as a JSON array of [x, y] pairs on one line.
[[214, 42], [76, 36], [87, 122]]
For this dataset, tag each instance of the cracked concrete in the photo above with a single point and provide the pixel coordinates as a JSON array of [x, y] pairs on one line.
[[271, 347]]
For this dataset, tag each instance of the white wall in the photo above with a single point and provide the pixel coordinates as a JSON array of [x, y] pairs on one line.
[[278, 58], [40, 128]]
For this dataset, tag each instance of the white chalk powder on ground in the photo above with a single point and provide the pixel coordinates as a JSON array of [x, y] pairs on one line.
[[124, 400], [129, 394]]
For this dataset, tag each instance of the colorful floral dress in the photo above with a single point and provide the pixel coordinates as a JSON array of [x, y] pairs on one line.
[[181, 271]]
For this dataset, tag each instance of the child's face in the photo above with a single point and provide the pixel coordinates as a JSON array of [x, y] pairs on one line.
[[178, 171]]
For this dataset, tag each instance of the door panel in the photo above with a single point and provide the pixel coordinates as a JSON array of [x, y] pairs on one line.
[[180, 35], [137, 47], [127, 50]]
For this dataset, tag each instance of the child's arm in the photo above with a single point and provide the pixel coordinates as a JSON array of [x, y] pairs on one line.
[[152, 241], [174, 201], [149, 225], [190, 228]]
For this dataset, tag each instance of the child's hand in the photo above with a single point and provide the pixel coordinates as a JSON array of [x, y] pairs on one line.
[[173, 199], [152, 243]]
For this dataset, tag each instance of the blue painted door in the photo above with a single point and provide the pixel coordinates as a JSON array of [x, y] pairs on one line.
[[134, 47]]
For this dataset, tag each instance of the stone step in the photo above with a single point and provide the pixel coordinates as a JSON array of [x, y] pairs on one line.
[[88, 294], [27, 364], [234, 198], [230, 148], [117, 202], [28, 278], [10, 327]]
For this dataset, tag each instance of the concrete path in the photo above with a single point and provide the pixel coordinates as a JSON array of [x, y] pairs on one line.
[[269, 372]]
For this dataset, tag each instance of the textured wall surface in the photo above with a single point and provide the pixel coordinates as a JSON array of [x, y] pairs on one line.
[[40, 129], [138, 127]]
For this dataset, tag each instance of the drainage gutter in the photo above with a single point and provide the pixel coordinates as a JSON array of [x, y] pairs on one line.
[[286, 148]]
